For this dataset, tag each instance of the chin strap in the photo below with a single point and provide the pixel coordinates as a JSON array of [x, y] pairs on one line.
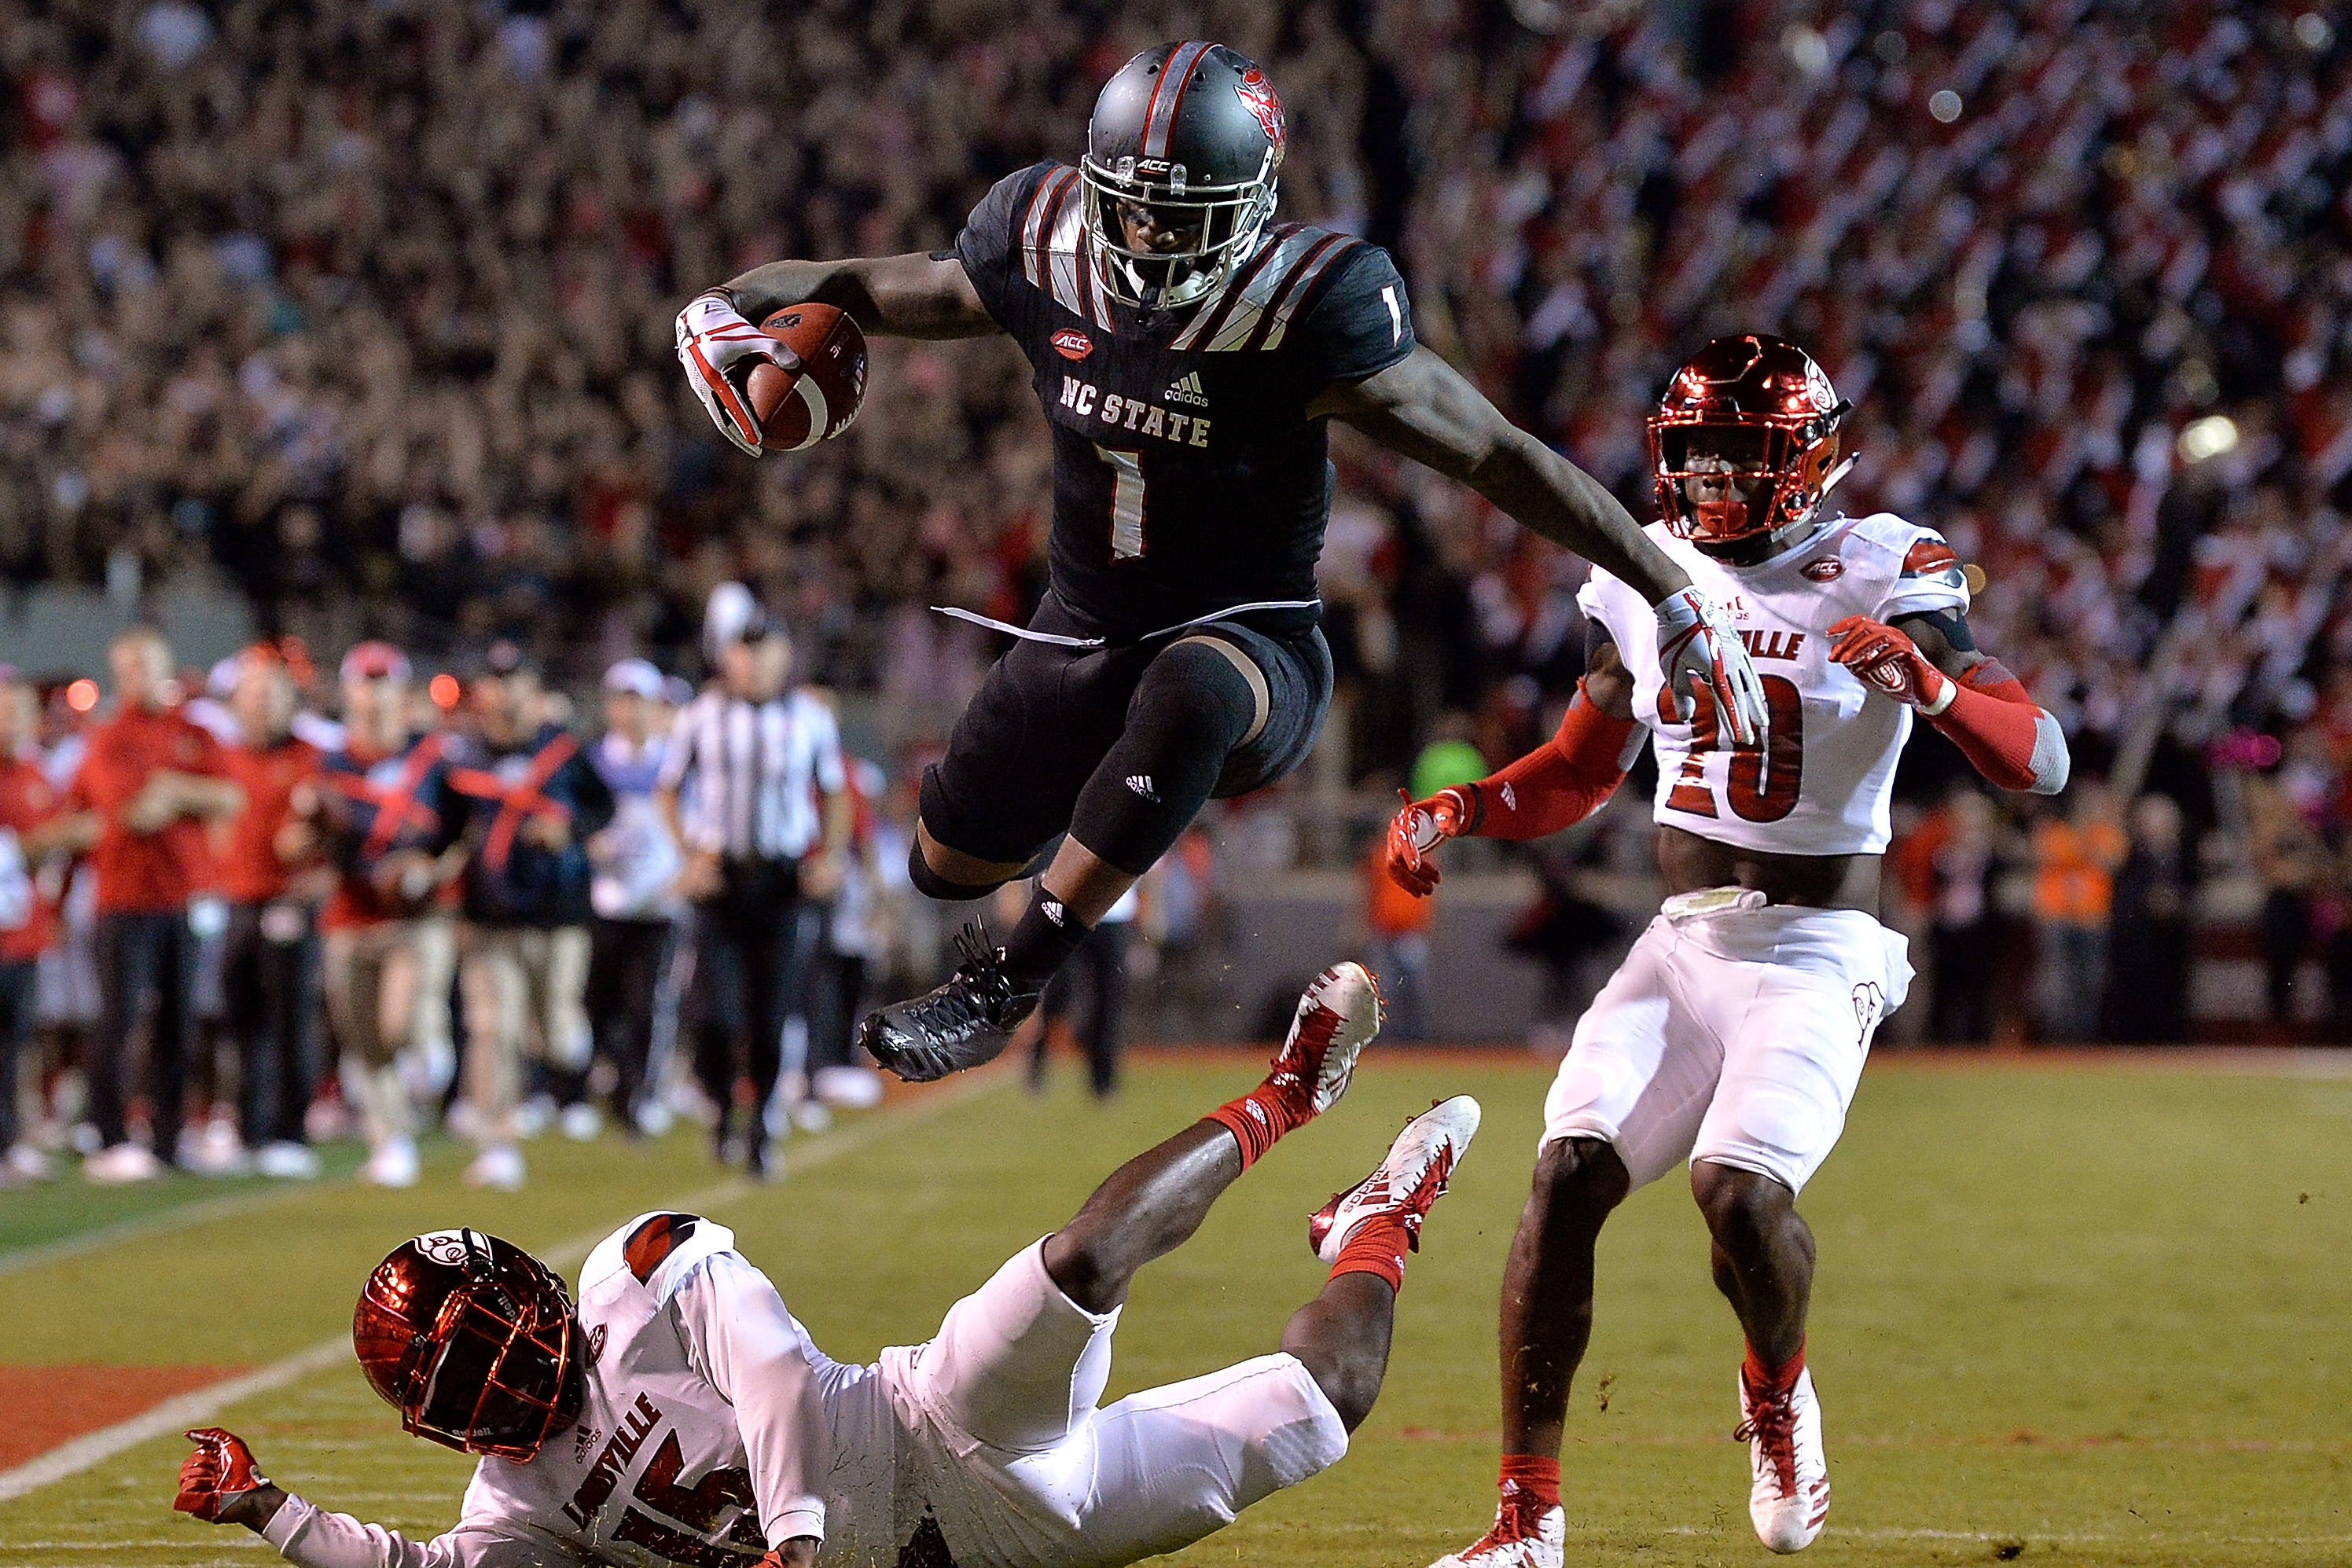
[[1560, 782]]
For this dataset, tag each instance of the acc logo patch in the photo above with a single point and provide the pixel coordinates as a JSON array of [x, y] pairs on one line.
[[1073, 344], [443, 1246], [595, 1344], [1825, 569], [1256, 94]]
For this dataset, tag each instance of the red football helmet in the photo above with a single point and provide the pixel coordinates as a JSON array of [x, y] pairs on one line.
[[1753, 419], [474, 1340]]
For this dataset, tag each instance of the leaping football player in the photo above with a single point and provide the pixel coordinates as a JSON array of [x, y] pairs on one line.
[[679, 1412], [1733, 1035], [1188, 351]]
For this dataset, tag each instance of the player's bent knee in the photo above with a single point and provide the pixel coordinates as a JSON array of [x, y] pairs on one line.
[[1738, 1202], [1195, 690], [1583, 1175]]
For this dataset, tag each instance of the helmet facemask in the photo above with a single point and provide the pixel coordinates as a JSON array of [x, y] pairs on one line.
[[1226, 224], [1721, 480]]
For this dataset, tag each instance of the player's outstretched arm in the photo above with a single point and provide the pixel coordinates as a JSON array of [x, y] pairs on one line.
[[919, 295], [222, 1484], [1421, 407], [1932, 663], [1556, 786]]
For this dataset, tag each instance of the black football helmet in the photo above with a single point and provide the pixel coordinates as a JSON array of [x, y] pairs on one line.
[[1195, 132], [475, 1340]]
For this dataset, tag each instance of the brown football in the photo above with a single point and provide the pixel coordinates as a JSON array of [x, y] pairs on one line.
[[799, 409]]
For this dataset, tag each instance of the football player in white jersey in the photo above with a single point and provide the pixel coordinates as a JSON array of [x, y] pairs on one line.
[[1734, 1033], [679, 1412]]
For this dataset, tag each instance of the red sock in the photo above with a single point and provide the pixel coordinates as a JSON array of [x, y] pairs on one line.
[[1529, 1486], [1378, 1247], [1772, 1379], [1259, 1117]]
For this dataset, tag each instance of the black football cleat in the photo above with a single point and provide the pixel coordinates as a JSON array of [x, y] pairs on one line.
[[963, 1023]]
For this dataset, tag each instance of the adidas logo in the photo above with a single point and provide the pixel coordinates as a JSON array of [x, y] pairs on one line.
[[1053, 910], [1187, 390], [1141, 784], [1510, 798]]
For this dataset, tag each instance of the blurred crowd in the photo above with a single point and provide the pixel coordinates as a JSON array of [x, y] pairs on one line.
[[364, 307]]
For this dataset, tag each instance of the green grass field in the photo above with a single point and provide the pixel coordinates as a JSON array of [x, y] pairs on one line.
[[2075, 1314]]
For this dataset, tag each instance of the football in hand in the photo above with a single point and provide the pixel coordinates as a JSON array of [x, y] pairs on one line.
[[797, 409]]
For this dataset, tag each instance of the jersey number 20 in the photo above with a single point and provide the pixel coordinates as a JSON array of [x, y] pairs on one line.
[[1759, 786]]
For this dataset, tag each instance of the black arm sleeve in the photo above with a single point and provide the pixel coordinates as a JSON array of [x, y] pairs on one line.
[[990, 242], [1361, 325]]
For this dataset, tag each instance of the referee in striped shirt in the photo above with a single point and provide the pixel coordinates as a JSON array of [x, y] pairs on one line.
[[753, 789]]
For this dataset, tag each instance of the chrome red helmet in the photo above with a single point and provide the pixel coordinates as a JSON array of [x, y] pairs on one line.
[[1755, 420], [474, 1341]]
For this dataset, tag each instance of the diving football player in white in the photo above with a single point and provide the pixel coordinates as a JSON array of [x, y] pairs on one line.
[[680, 1414], [1734, 1033]]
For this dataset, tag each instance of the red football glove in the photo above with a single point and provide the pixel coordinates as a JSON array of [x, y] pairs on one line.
[[713, 341], [1419, 827], [1886, 661], [220, 1472]]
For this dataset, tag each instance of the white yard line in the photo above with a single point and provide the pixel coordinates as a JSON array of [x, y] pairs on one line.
[[200, 1211], [199, 1406]]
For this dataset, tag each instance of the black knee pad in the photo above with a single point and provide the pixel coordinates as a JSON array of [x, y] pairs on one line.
[[1189, 711], [932, 884]]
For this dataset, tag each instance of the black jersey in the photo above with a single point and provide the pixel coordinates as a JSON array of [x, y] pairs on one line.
[[1187, 477]]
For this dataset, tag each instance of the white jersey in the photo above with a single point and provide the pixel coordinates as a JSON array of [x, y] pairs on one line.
[[713, 1430], [1823, 786]]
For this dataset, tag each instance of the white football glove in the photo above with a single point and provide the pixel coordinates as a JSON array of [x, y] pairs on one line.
[[713, 339], [1698, 645]]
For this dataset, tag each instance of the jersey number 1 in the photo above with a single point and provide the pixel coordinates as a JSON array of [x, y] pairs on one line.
[[1125, 503], [1761, 787]]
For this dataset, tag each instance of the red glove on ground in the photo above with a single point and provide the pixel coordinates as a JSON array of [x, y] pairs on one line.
[[1886, 661], [1420, 827], [220, 1472]]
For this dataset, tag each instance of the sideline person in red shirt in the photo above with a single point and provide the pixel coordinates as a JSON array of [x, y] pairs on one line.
[[35, 829], [269, 962], [154, 779]]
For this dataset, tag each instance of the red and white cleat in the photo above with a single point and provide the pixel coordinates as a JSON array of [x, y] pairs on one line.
[[1404, 1185], [1339, 1015], [1516, 1542], [1790, 1498]]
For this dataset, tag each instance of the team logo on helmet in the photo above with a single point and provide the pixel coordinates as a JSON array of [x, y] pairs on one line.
[[1256, 94], [443, 1247]]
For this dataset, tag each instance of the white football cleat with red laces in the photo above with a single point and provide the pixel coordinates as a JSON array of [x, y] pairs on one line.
[[1790, 1498], [1339, 1015], [1404, 1185], [1514, 1542]]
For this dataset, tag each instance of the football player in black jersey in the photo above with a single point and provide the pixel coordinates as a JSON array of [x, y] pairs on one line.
[[1188, 351]]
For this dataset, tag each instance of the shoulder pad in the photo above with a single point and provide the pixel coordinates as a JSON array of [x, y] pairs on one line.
[[1263, 299], [1049, 240], [657, 1251]]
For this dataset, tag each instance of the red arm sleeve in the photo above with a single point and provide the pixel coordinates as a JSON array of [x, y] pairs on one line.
[[1560, 782], [1996, 726]]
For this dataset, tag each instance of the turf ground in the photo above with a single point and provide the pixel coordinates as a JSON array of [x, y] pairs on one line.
[[2082, 1313]]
